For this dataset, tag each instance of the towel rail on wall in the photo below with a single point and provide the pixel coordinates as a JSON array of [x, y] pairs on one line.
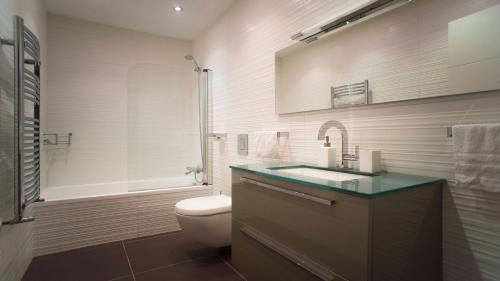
[[57, 139], [27, 90], [282, 135], [449, 132]]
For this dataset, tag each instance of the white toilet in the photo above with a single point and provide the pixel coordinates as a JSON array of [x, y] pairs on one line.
[[206, 219]]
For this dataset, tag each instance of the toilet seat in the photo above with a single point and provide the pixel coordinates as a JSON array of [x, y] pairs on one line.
[[204, 206]]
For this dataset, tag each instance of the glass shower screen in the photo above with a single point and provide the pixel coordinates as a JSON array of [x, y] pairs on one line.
[[163, 132]]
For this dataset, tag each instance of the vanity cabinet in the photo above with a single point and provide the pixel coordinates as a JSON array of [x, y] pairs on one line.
[[287, 231]]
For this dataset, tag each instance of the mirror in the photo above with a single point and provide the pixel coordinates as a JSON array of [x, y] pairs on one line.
[[474, 47], [420, 50]]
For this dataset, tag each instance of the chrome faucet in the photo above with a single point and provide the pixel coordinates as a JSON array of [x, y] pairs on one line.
[[344, 143], [190, 170]]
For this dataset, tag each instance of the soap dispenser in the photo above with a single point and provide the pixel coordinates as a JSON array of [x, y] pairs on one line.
[[326, 155]]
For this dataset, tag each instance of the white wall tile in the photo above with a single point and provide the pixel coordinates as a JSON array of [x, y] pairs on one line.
[[412, 135], [106, 86]]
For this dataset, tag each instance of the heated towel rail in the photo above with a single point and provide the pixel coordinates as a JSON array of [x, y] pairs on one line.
[[27, 108], [354, 94]]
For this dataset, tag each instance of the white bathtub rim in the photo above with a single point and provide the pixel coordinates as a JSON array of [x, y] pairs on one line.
[[99, 197]]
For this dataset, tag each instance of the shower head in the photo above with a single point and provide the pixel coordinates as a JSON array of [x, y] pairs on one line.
[[190, 57]]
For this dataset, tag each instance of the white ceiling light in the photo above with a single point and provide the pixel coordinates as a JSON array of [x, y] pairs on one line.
[[151, 16], [178, 9]]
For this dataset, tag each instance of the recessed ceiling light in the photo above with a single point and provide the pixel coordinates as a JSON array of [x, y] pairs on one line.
[[178, 8]]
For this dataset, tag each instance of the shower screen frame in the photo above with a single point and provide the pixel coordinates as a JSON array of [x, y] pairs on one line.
[[206, 112]]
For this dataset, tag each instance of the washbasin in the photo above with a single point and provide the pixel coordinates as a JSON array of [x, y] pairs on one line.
[[322, 174]]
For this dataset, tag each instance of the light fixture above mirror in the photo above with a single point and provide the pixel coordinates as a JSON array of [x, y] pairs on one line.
[[365, 10]]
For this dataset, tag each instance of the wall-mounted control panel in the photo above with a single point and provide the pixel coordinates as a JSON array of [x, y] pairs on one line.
[[243, 144]]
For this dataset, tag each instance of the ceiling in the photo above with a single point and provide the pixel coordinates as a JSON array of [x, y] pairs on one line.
[[152, 16]]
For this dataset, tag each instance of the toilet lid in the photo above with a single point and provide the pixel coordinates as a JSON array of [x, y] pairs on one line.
[[204, 206]]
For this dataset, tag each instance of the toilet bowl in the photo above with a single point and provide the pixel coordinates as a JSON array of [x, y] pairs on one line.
[[206, 219]]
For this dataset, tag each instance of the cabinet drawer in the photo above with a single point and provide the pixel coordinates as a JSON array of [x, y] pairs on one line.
[[258, 262], [335, 236]]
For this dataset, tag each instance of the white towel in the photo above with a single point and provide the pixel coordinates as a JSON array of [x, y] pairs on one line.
[[477, 156], [266, 145]]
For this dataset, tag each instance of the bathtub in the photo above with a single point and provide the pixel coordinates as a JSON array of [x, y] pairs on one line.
[[85, 215], [113, 188]]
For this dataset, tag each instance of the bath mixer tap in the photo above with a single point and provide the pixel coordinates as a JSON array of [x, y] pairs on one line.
[[346, 156], [190, 170]]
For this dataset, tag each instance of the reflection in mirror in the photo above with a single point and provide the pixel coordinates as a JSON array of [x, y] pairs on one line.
[[474, 46], [403, 56], [304, 70]]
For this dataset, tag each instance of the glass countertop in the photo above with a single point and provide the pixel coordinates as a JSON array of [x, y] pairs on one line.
[[369, 186]]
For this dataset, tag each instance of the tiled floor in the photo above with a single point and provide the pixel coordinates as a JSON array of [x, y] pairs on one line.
[[165, 257]]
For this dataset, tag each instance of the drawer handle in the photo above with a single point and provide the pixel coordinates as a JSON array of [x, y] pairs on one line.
[[302, 261], [314, 198]]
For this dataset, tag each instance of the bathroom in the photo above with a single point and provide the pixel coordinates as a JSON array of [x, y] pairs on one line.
[[173, 141]]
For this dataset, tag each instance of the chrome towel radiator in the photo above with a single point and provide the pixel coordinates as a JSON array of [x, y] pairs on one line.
[[350, 95], [27, 108]]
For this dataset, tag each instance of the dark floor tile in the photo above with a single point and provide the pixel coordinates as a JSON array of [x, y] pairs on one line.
[[204, 269], [126, 278], [163, 250], [152, 236], [225, 253], [99, 263]]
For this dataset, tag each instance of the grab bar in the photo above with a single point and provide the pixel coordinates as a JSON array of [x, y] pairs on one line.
[[314, 198], [301, 260]]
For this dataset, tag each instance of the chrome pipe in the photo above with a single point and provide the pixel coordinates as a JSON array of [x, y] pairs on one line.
[[27, 128], [22, 220], [6, 42], [204, 112], [19, 132]]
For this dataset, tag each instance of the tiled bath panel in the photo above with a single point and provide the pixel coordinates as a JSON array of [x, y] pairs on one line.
[[74, 223], [172, 256]]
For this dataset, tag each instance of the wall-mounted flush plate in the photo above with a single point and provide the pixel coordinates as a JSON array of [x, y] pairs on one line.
[[243, 144]]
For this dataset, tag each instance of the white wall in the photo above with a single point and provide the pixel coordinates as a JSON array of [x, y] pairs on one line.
[[106, 87], [16, 242], [412, 135]]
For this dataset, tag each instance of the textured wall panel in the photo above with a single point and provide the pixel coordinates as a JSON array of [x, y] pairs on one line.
[[106, 87], [7, 120], [75, 223], [411, 135], [16, 248]]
